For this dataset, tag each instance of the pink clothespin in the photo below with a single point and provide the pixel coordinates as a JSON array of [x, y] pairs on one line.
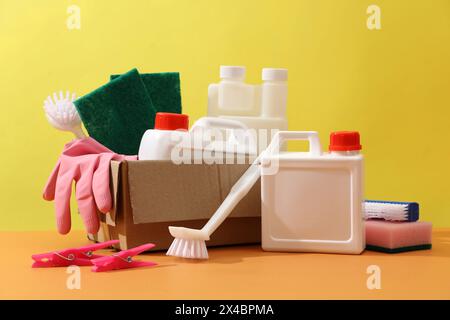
[[82, 256], [122, 260]]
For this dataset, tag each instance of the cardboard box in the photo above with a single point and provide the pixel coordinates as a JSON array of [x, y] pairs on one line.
[[149, 196]]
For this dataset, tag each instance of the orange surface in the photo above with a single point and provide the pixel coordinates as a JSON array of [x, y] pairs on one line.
[[231, 273]]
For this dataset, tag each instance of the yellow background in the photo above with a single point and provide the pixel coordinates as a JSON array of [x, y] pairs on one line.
[[393, 84]]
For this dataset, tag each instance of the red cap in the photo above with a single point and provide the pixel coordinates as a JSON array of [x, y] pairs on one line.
[[344, 141], [171, 121]]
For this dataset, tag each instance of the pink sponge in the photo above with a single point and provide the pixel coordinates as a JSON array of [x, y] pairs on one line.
[[393, 237]]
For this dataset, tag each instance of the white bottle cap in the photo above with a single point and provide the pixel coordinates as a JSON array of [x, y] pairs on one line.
[[273, 74], [232, 72]]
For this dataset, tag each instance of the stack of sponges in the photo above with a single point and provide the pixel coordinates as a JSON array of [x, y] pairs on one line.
[[393, 227], [118, 113]]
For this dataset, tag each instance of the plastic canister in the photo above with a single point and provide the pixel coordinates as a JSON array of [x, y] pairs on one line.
[[232, 96], [259, 107], [171, 130], [312, 201]]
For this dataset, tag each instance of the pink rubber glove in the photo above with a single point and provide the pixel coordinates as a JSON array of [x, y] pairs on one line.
[[87, 162]]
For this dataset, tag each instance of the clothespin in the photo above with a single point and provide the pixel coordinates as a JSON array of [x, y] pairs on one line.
[[122, 260], [82, 256]]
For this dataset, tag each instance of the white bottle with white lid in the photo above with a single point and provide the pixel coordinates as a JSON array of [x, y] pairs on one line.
[[313, 201], [274, 93], [262, 107], [232, 96]]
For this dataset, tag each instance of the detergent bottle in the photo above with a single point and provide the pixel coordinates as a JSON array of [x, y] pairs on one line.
[[313, 201], [171, 131], [274, 95], [260, 107], [232, 96], [157, 143]]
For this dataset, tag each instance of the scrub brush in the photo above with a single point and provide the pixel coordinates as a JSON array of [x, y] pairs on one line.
[[391, 211], [61, 113], [190, 243]]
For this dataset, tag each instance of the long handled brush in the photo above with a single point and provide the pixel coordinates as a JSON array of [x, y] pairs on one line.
[[190, 243]]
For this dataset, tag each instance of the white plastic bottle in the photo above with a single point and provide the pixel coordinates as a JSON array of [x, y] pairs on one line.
[[157, 143], [171, 130], [274, 93], [313, 201], [232, 96], [267, 110]]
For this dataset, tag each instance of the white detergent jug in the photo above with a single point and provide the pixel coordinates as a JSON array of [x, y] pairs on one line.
[[313, 201], [171, 130], [257, 106], [232, 96]]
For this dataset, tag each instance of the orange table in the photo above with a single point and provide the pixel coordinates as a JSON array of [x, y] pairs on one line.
[[230, 273]]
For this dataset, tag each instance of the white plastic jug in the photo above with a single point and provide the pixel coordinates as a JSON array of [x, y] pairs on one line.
[[312, 201], [257, 106], [171, 130], [232, 96]]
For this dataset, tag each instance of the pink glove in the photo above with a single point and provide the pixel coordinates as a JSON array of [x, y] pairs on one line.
[[87, 162]]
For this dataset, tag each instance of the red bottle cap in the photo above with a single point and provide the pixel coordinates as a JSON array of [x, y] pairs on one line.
[[171, 121], [344, 141]]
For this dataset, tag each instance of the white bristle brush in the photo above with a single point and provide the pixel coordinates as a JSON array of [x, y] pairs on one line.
[[61, 113], [190, 243], [391, 210]]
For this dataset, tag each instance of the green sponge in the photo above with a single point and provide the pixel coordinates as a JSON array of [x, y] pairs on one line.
[[118, 113], [164, 90]]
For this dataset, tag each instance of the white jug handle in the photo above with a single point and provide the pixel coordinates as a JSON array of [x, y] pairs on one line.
[[220, 123], [315, 148], [212, 122]]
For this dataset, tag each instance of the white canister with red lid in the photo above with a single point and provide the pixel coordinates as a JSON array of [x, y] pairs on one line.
[[171, 132], [312, 201]]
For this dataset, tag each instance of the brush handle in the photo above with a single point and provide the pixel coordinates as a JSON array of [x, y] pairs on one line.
[[247, 180], [237, 192], [78, 132]]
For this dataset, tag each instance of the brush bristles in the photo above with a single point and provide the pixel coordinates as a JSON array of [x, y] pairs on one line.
[[386, 211], [191, 249], [61, 111]]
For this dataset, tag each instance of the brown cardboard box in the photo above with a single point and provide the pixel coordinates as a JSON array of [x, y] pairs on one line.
[[149, 196]]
